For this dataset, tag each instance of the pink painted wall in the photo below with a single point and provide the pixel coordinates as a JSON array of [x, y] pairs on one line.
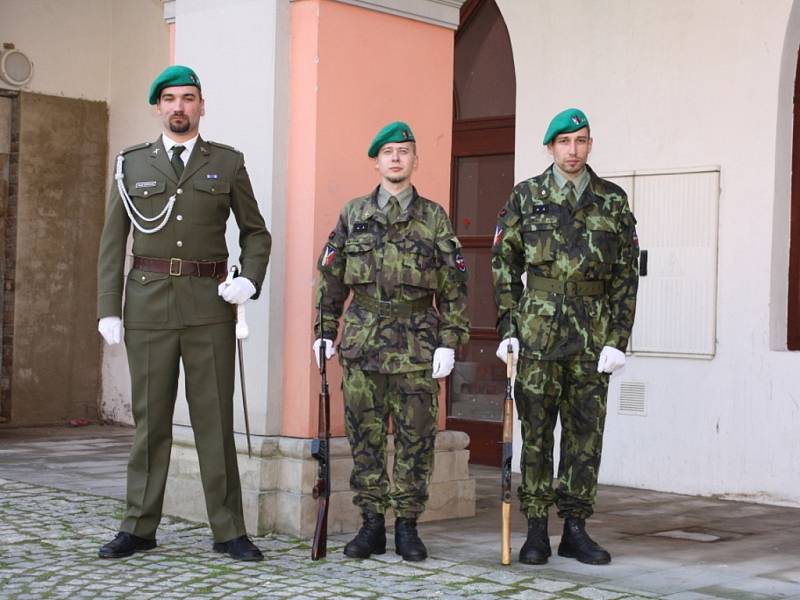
[[352, 71]]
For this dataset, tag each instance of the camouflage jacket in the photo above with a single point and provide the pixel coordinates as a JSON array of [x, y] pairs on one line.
[[417, 259], [538, 235]]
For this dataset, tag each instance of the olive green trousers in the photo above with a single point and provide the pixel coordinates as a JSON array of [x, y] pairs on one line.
[[208, 356]]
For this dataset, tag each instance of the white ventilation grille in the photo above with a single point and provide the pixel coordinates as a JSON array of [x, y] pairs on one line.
[[632, 398]]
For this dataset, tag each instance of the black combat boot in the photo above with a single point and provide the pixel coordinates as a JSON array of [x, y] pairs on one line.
[[536, 548], [576, 543], [370, 539], [406, 540]]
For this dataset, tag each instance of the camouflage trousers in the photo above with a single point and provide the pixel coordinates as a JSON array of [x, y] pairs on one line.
[[411, 400], [575, 391]]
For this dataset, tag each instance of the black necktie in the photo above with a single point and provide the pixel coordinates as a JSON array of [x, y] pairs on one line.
[[176, 161]]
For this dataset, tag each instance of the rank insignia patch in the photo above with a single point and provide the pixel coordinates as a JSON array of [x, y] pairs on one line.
[[328, 256], [498, 235], [461, 265], [359, 227]]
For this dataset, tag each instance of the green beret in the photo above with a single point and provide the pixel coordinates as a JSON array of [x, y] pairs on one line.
[[566, 121], [172, 76], [393, 132]]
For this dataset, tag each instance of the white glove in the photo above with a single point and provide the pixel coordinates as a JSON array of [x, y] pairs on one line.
[[328, 349], [502, 349], [444, 359], [111, 329], [237, 291], [610, 360]]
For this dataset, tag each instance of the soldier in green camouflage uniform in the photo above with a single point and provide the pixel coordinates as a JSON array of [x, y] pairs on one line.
[[573, 236], [397, 253]]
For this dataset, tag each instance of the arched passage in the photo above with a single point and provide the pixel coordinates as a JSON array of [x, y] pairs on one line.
[[483, 176]]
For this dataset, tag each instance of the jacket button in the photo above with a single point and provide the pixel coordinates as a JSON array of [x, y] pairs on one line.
[[179, 244], [179, 218], [180, 191]]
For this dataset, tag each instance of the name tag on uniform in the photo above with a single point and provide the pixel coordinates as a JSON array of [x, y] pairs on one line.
[[212, 176], [145, 184]]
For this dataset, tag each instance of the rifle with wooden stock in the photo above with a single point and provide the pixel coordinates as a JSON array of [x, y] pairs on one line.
[[505, 476], [320, 449]]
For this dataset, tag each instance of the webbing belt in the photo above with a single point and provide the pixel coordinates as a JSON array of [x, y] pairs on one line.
[[567, 288], [393, 308]]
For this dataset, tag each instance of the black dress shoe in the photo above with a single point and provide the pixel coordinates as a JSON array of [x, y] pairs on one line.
[[125, 544], [576, 543], [240, 548]]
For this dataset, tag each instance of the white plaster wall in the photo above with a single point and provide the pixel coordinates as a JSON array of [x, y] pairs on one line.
[[138, 50], [65, 39], [97, 50], [676, 84], [239, 49]]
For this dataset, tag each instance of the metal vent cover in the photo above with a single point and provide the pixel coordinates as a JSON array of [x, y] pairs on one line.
[[632, 398]]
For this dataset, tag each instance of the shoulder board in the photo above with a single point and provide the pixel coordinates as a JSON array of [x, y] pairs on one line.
[[136, 147], [225, 146]]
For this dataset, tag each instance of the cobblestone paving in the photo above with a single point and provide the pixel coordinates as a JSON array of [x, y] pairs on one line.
[[49, 540]]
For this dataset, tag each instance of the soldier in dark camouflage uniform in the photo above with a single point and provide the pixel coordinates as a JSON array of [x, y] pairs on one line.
[[573, 236], [397, 253]]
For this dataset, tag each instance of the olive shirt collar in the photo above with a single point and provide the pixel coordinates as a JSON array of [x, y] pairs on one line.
[[404, 198], [413, 211], [581, 181]]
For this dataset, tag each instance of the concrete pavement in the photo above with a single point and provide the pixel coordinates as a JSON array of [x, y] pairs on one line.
[[60, 499]]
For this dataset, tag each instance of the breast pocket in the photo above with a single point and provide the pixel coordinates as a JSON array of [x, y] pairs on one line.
[[148, 197], [359, 253], [602, 234], [419, 263], [539, 235], [212, 199]]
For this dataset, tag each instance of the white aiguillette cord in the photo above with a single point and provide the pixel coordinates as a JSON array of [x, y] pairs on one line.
[[131, 209]]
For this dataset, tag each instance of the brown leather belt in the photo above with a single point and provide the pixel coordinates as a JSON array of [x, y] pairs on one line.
[[567, 288], [178, 267]]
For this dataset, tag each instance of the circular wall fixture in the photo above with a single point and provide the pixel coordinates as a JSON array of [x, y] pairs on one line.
[[15, 67]]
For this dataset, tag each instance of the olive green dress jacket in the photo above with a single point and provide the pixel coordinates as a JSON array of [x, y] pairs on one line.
[[214, 183]]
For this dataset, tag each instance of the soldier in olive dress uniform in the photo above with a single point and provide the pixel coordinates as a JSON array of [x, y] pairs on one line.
[[573, 236], [175, 195], [398, 256]]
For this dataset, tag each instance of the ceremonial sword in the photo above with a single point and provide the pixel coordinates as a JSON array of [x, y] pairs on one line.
[[242, 331]]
